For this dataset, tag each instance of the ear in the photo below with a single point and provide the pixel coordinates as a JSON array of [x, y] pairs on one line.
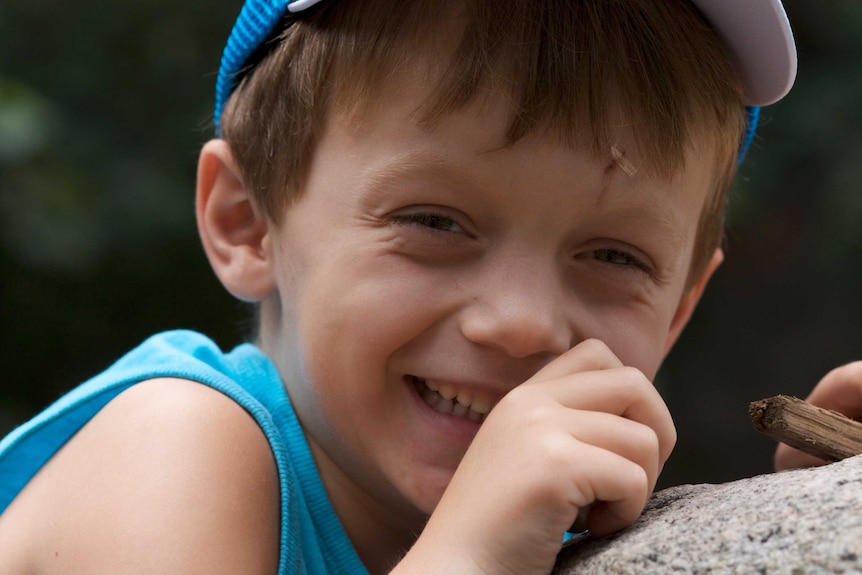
[[690, 299], [234, 233]]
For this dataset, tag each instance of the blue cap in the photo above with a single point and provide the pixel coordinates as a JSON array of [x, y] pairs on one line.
[[756, 34], [257, 22]]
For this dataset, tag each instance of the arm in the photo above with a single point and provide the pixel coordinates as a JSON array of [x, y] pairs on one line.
[[170, 477], [584, 430], [840, 390]]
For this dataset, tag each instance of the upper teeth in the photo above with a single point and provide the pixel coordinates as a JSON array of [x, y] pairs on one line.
[[463, 397]]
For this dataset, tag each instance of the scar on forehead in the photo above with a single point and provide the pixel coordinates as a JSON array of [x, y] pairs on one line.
[[620, 160]]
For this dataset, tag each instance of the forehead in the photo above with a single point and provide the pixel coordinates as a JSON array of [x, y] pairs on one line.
[[467, 152], [574, 79], [485, 119]]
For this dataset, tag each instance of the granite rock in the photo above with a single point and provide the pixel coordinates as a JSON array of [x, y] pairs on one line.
[[798, 522]]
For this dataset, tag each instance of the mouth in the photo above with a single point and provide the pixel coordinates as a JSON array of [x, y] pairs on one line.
[[448, 399]]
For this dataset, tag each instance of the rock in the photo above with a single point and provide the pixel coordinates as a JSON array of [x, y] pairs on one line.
[[797, 522]]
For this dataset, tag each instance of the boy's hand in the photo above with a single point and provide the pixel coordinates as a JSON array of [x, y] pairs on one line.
[[584, 430], [841, 391]]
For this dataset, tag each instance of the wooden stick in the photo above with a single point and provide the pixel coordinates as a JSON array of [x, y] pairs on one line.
[[819, 432]]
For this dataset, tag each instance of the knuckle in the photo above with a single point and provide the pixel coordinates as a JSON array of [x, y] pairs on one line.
[[535, 421], [598, 351], [646, 441], [555, 452], [584, 492], [638, 483], [647, 450], [633, 376], [521, 408], [541, 415], [596, 345], [632, 382], [670, 439]]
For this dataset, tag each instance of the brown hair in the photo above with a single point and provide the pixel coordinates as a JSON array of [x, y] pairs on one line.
[[559, 60]]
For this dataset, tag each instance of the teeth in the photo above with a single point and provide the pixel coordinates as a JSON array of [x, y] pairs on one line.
[[446, 399], [431, 397], [475, 416], [460, 410], [448, 392], [480, 405]]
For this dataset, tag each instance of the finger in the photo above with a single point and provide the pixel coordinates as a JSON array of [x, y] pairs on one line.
[[841, 390], [622, 391], [787, 458], [604, 518], [629, 439], [616, 487], [589, 355]]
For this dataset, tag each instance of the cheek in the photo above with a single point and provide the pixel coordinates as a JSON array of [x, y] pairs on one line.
[[351, 323], [376, 293], [637, 338], [647, 359]]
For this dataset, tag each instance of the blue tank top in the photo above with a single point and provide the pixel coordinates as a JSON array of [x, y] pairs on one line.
[[312, 538]]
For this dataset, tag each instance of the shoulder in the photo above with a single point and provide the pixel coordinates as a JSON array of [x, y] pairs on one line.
[[170, 477]]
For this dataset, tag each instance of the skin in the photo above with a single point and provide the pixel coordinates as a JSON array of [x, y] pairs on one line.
[[540, 278], [170, 477], [536, 275], [840, 390]]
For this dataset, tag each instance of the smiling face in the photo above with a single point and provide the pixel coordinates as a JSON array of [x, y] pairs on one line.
[[422, 268]]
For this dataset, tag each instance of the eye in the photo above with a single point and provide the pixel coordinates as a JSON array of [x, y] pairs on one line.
[[431, 220], [619, 258]]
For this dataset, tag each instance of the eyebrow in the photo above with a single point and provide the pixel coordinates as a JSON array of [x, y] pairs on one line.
[[646, 211], [641, 208], [421, 164]]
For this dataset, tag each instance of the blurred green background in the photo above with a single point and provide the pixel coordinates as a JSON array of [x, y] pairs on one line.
[[103, 108]]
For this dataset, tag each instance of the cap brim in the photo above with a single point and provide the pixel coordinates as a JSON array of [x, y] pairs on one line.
[[300, 5], [758, 37]]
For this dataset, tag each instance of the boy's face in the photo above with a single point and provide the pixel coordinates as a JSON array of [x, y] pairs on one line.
[[440, 258]]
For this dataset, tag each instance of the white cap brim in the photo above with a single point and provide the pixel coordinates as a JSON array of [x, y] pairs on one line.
[[757, 35]]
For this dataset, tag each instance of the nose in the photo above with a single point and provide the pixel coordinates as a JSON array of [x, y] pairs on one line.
[[520, 309]]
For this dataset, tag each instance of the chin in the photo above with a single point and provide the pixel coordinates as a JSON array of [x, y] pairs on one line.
[[425, 495]]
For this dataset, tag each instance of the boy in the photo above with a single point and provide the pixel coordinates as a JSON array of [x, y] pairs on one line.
[[473, 230]]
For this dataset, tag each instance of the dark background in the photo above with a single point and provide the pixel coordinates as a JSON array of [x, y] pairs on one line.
[[103, 108]]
